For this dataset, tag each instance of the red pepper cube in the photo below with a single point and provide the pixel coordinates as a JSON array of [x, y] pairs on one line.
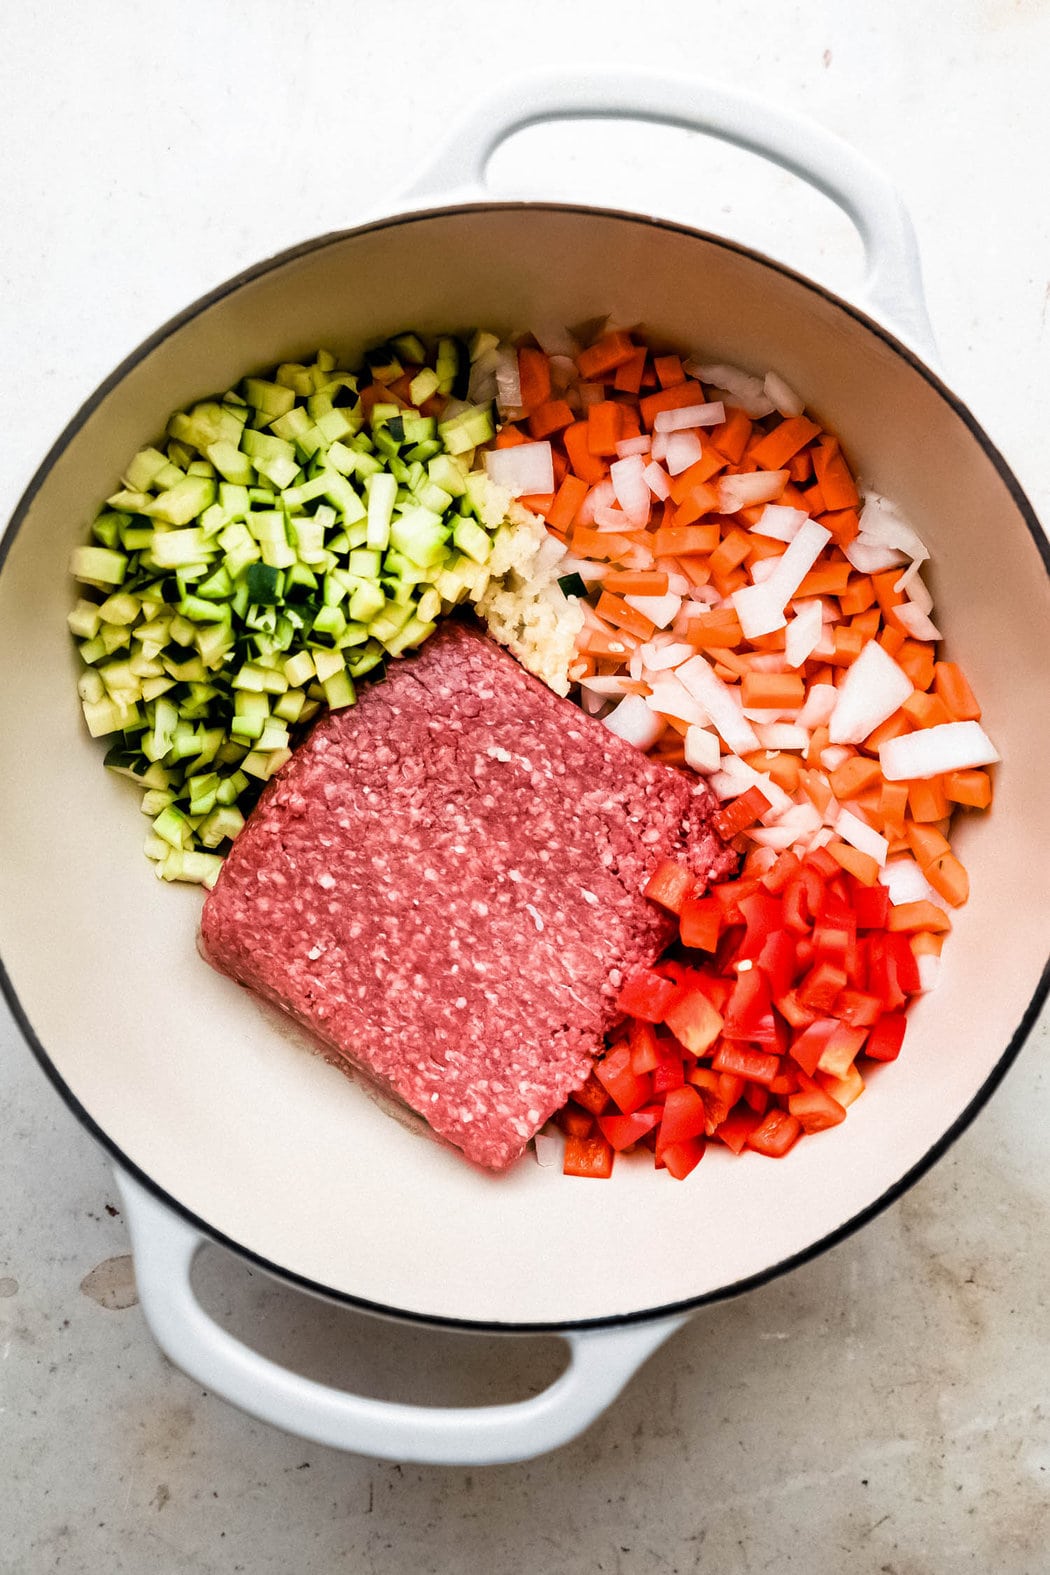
[[591, 1095], [591, 1156], [627, 1089], [575, 1122], [871, 904], [701, 923], [669, 1071], [646, 994], [681, 1158], [807, 1047], [885, 1040], [737, 1128], [622, 1132], [641, 1037], [758, 1066], [695, 1022], [841, 1050], [821, 985], [778, 961], [815, 1110], [778, 1132], [749, 1013], [684, 1117], [741, 813], [858, 1009], [670, 884]]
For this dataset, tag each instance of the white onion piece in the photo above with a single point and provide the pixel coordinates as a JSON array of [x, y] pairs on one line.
[[872, 557], [751, 489], [736, 776], [592, 704], [761, 608], [796, 823], [706, 415], [762, 716], [874, 687], [917, 622], [820, 703], [747, 391], [601, 496], [508, 381], [916, 588], [556, 341], [590, 573], [721, 703], [821, 838], [780, 522], [629, 446], [658, 449], [549, 1148], [784, 397], [524, 469], [661, 657], [657, 480], [636, 666], [632, 490], [834, 755], [769, 662], [803, 633], [671, 698], [782, 735], [702, 750], [677, 583], [482, 385], [613, 684], [763, 569], [861, 836], [661, 610], [683, 450], [612, 519], [905, 882], [564, 371], [880, 522], [950, 746], [634, 722], [929, 966]]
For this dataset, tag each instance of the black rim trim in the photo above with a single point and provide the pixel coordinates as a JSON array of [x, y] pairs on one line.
[[692, 1304]]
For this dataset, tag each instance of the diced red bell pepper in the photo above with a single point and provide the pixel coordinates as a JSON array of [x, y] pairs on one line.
[[790, 1007], [857, 1008], [684, 1117], [807, 1047], [801, 900], [841, 1050], [590, 1156], [749, 1013], [669, 1071], [737, 1128], [693, 1020], [741, 813], [758, 1066], [786, 1080], [681, 1158], [700, 924], [821, 985], [730, 894], [670, 884], [591, 1095], [837, 946], [871, 904], [815, 1110], [821, 861], [775, 1134], [575, 1122], [885, 1040], [777, 876], [836, 911], [622, 1132], [763, 916], [892, 972], [628, 1090], [641, 1036], [646, 994], [756, 1096], [778, 960]]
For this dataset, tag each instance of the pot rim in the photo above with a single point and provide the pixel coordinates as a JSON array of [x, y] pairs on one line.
[[864, 1216]]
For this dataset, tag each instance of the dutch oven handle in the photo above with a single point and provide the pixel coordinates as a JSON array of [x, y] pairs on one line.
[[893, 282], [601, 1363]]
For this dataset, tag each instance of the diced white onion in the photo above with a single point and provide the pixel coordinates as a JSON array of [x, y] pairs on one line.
[[683, 450], [872, 557], [556, 341], [834, 755], [917, 622], [657, 480], [820, 702], [660, 610], [613, 684], [549, 1146], [784, 397], [735, 777], [916, 588], [874, 687], [751, 489], [780, 522], [612, 519], [633, 721], [702, 750], [880, 522], [671, 698], [796, 823], [601, 496], [706, 415], [929, 966], [632, 491], [658, 451], [747, 391], [782, 735], [508, 386], [803, 633], [761, 608], [905, 882], [661, 657], [721, 703], [950, 746], [524, 469], [861, 836], [629, 446]]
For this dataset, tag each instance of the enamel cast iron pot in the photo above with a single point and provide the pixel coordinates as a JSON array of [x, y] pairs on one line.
[[220, 1124]]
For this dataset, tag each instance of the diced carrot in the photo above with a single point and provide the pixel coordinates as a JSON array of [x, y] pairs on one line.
[[926, 943], [800, 466], [628, 376], [973, 788], [867, 623], [731, 436], [833, 474], [612, 350], [854, 776], [926, 710], [636, 582], [893, 727], [679, 541], [700, 500], [567, 501], [826, 579], [709, 464], [577, 445], [773, 451], [764, 547], [907, 916], [734, 580], [688, 393], [858, 596], [630, 426], [843, 525], [733, 664], [617, 612], [950, 683], [538, 502], [510, 436], [817, 789], [731, 552], [534, 377], [926, 842], [927, 800], [668, 369], [786, 771], [604, 428], [916, 658], [818, 742], [889, 598], [947, 875], [605, 546], [825, 674], [813, 500], [554, 415], [861, 865], [849, 643], [891, 639], [715, 630], [772, 691], [604, 643]]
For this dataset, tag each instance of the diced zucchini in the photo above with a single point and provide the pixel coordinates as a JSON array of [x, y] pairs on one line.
[[98, 565]]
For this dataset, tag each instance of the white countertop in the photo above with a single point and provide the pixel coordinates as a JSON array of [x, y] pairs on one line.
[[884, 1409]]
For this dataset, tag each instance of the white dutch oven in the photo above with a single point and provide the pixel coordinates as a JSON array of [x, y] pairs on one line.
[[221, 1125]]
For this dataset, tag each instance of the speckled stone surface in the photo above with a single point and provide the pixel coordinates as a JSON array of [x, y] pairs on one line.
[[885, 1409]]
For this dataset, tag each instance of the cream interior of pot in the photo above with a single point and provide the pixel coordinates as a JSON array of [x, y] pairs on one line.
[[219, 1102]]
